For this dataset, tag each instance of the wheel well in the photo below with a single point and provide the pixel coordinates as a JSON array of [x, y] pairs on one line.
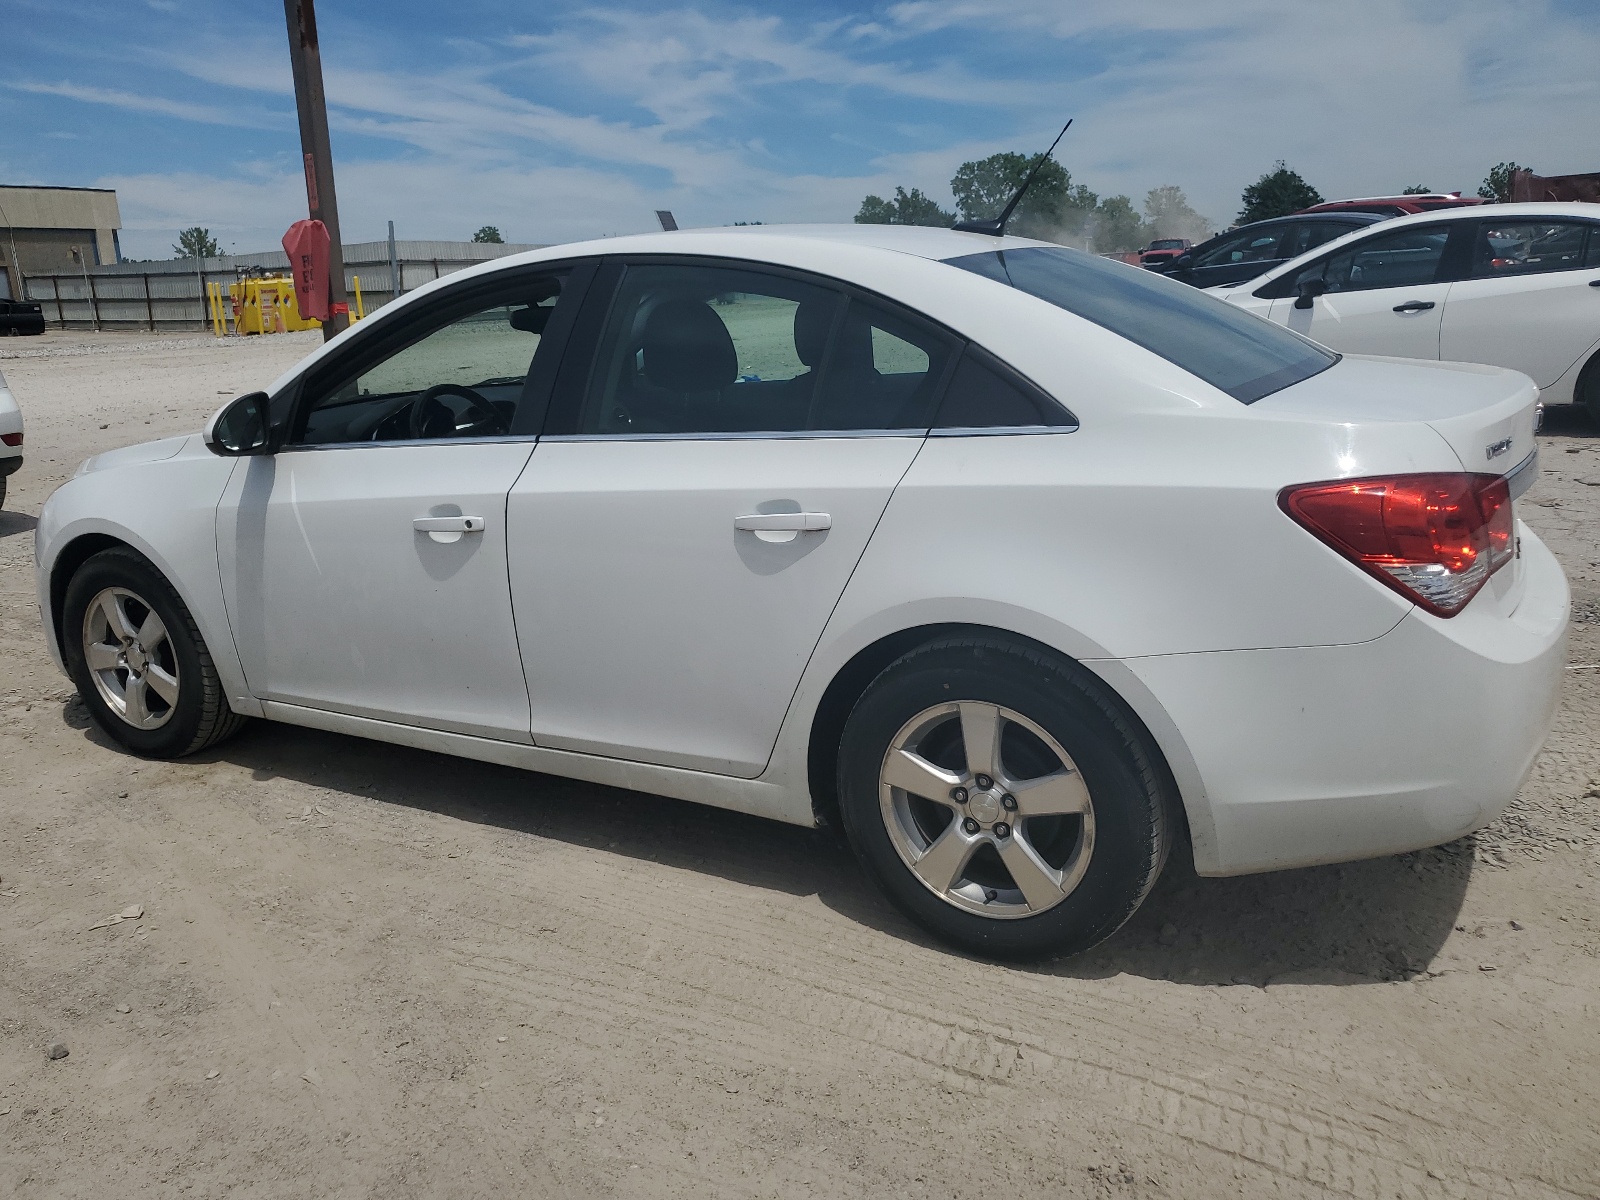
[[73, 555], [852, 679]]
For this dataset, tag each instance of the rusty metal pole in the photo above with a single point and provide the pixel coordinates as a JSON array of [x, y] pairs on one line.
[[306, 58]]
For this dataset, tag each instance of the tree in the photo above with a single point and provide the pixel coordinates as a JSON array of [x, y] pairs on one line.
[[197, 243], [906, 208], [1167, 214], [1417, 189], [1277, 194], [1053, 209], [1497, 184], [488, 234], [1117, 227]]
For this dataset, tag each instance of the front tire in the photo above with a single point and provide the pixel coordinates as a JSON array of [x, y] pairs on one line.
[[138, 659], [1002, 798]]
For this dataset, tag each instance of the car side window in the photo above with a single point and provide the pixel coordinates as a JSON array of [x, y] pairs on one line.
[[1250, 246], [1402, 258], [984, 394], [463, 377], [1531, 247], [1320, 232], [692, 349]]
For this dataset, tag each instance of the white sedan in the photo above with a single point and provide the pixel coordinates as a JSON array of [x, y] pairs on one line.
[[1513, 285], [1022, 566]]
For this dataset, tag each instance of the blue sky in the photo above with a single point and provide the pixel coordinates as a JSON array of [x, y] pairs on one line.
[[557, 121]]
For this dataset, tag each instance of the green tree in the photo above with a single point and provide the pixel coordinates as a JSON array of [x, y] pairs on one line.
[[1117, 228], [1277, 194], [1053, 208], [1497, 184], [1417, 189], [1168, 214], [905, 208], [489, 234], [197, 243]]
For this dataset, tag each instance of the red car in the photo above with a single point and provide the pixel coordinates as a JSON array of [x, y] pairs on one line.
[[1163, 250], [1397, 206]]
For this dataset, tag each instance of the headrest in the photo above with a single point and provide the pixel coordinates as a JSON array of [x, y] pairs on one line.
[[687, 348], [812, 319]]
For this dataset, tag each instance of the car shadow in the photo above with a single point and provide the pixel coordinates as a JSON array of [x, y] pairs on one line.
[[14, 522], [1569, 420], [1358, 923]]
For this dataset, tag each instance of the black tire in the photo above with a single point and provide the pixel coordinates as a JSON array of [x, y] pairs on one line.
[[200, 717], [3, 482], [1130, 825], [1587, 393]]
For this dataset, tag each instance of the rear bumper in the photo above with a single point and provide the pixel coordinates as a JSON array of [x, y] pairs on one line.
[[1335, 753]]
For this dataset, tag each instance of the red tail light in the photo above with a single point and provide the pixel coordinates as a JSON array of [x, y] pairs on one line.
[[1435, 539], [11, 439]]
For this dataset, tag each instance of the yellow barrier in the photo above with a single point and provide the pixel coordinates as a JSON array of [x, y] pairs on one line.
[[266, 306], [361, 309]]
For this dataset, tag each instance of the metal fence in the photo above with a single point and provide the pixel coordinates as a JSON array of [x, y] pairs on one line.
[[172, 294]]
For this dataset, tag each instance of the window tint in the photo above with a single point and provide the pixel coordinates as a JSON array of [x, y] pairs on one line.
[[462, 378], [1259, 245], [694, 349], [1529, 247], [1404, 258], [1231, 349], [1317, 233], [983, 395]]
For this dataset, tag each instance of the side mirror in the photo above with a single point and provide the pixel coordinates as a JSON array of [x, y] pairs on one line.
[[240, 427], [1307, 291]]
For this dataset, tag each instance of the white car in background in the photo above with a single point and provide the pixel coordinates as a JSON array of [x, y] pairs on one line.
[[10, 437], [1512, 285], [1021, 565]]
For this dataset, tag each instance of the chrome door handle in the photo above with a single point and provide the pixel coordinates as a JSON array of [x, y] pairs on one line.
[[801, 522], [1414, 306], [448, 524]]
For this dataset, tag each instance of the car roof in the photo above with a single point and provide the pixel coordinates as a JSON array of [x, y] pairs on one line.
[[1477, 212], [921, 241]]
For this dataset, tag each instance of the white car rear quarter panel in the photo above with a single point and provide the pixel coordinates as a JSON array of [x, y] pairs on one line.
[[161, 499]]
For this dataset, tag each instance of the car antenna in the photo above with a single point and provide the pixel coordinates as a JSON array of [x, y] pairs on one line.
[[997, 226]]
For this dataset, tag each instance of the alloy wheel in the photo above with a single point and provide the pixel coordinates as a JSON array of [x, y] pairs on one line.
[[987, 809], [131, 658]]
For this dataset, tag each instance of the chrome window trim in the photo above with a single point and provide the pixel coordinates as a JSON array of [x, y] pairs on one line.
[[1002, 430], [798, 435], [393, 443]]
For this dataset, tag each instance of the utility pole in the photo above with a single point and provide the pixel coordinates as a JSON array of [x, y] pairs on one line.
[[306, 58]]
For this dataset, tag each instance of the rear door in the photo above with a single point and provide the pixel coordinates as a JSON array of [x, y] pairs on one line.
[[1383, 293], [1531, 299], [699, 501]]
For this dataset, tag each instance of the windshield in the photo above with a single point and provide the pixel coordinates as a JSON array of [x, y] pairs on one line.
[[1242, 354], [1167, 244]]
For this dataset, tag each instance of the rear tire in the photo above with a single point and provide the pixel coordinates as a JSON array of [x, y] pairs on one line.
[[1043, 846], [137, 657], [1587, 393]]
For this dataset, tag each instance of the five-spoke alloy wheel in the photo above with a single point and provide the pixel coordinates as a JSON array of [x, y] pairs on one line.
[[1003, 797], [141, 666]]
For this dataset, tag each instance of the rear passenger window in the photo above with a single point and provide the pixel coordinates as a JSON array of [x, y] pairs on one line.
[[1530, 247], [983, 395]]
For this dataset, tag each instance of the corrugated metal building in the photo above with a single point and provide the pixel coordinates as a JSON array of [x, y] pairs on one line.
[[49, 230]]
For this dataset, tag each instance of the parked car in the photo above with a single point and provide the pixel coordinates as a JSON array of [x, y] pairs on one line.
[[10, 437], [1022, 566], [20, 317], [1242, 254], [1163, 250], [1398, 206], [1513, 285]]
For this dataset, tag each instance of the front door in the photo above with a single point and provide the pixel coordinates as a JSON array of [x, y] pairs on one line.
[[694, 512], [1380, 297], [364, 564], [1531, 301]]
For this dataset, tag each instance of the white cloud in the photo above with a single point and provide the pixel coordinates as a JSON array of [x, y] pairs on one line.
[[204, 113]]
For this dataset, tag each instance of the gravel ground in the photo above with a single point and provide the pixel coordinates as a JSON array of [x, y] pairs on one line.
[[306, 965]]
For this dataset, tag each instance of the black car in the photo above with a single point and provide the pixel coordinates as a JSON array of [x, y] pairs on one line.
[[1254, 249], [20, 316]]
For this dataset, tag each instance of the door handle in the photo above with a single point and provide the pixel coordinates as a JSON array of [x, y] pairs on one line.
[[1414, 306], [801, 522], [1594, 283], [783, 527], [448, 524]]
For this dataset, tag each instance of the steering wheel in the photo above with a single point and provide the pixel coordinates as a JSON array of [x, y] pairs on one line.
[[486, 422]]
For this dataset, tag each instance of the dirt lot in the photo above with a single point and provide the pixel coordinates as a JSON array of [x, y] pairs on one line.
[[368, 971]]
